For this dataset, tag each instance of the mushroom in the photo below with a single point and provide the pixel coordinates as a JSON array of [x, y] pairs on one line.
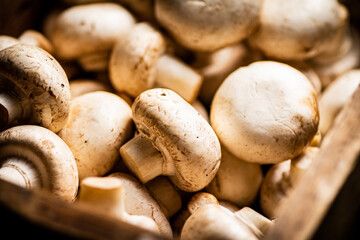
[[166, 195], [190, 149], [215, 222], [79, 87], [236, 181], [99, 123], [265, 113], [34, 88], [281, 179], [35, 157], [335, 96], [138, 63], [138, 201], [7, 41], [89, 29], [216, 66], [296, 30], [201, 109], [107, 194], [35, 38], [343, 54], [208, 25]]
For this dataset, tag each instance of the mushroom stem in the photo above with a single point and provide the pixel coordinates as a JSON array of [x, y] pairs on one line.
[[177, 76], [10, 109], [19, 172], [256, 222], [142, 158]]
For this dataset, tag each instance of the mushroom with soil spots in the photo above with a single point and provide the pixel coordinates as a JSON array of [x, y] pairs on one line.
[[138, 201], [99, 123], [335, 96], [281, 179], [236, 181], [89, 30], [34, 88], [208, 25], [138, 63], [35, 157], [167, 123], [107, 194], [296, 30], [265, 113]]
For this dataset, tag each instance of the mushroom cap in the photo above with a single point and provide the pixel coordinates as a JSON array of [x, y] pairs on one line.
[[236, 181], [265, 113], [208, 25], [296, 30], [89, 28], [335, 96], [190, 148], [7, 41], [79, 87], [214, 222], [48, 154], [42, 82], [138, 201], [272, 191], [133, 60], [99, 123]]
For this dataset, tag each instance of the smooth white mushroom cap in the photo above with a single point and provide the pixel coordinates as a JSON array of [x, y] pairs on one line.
[[265, 113], [41, 82], [208, 25], [47, 154], [295, 30], [99, 123], [89, 28], [335, 96], [7, 41], [190, 148]]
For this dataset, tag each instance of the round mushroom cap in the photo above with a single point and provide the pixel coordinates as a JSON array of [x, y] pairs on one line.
[[208, 25], [190, 147], [296, 30], [89, 28], [335, 96], [47, 153], [236, 181], [99, 123], [214, 222], [7, 41], [265, 113], [41, 81], [133, 60]]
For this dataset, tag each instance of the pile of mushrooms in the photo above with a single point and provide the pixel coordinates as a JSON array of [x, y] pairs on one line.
[[190, 119]]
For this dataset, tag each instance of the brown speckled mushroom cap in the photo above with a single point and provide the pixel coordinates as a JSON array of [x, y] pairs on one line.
[[46, 153], [208, 25], [265, 113], [41, 83], [190, 148]]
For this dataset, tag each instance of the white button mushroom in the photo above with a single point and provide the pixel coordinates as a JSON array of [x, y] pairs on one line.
[[90, 28], [7, 41], [107, 194], [335, 96], [138, 63], [265, 113], [208, 25], [35, 38], [281, 179], [34, 88], [79, 87], [236, 181], [138, 201], [190, 149], [296, 30], [99, 123], [215, 222], [35, 157]]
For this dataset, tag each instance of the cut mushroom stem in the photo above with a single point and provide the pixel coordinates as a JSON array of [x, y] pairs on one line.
[[143, 158], [107, 194]]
